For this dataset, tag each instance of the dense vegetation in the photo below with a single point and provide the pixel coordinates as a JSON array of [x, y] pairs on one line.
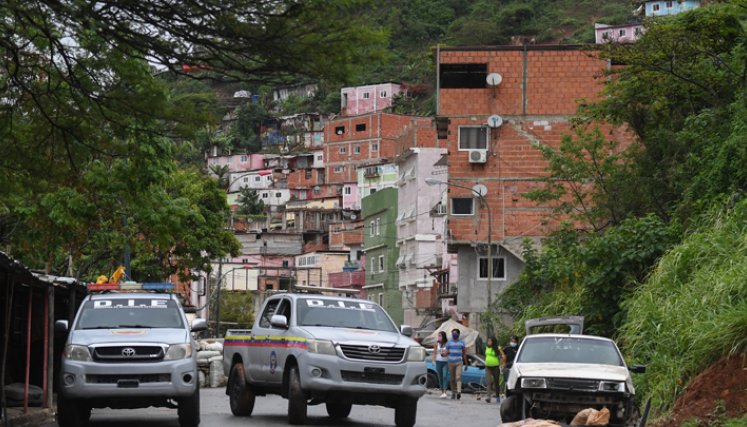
[[660, 265]]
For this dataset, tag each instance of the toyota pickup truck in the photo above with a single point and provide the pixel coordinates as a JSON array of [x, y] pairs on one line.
[[314, 349], [129, 350]]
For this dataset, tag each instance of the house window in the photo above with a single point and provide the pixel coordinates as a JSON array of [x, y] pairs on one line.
[[339, 169], [244, 260], [383, 94], [372, 229], [308, 174], [622, 33], [348, 191], [265, 195], [257, 178], [473, 138], [638, 31], [285, 263], [378, 226], [374, 146], [669, 5], [243, 158], [499, 268], [373, 265], [357, 149], [246, 179], [319, 157], [381, 299], [360, 127], [462, 206], [343, 149], [366, 95], [606, 35], [339, 130], [373, 190], [278, 195], [463, 76], [655, 7], [381, 262]]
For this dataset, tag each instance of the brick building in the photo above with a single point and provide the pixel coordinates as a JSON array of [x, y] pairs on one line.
[[530, 92]]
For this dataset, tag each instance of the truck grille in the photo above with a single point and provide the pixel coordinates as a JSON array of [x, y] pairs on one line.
[[373, 378], [142, 378], [123, 353], [573, 384], [373, 352]]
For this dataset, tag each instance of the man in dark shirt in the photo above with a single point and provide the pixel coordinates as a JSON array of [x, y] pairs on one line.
[[509, 353]]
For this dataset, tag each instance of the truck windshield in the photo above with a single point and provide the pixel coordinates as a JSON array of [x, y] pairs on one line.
[[568, 350], [343, 314], [118, 313]]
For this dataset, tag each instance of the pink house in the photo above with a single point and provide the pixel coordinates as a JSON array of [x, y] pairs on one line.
[[367, 99], [350, 197], [237, 162], [625, 33]]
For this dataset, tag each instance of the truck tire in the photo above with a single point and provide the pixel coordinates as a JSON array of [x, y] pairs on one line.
[[339, 410], [297, 404], [188, 409], [406, 412], [510, 409], [71, 413], [240, 397]]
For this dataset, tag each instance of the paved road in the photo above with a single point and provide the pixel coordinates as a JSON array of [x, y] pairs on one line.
[[271, 411]]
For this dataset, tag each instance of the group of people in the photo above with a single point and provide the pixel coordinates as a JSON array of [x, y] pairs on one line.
[[450, 355]]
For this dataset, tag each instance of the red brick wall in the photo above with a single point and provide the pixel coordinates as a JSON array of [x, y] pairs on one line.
[[556, 78]]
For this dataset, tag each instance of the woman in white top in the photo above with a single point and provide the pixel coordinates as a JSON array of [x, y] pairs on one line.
[[440, 360]]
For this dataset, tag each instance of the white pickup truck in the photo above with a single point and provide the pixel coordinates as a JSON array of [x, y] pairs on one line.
[[314, 349]]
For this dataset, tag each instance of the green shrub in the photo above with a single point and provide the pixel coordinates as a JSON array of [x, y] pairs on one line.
[[693, 309]]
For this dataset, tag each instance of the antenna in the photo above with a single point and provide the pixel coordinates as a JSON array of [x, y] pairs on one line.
[[494, 79], [495, 121]]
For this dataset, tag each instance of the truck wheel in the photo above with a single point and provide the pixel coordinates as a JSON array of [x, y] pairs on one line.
[[188, 409], [510, 410], [70, 413], [296, 398], [339, 410], [240, 397], [405, 412]]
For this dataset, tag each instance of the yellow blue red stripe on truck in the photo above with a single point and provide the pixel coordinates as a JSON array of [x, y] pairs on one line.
[[264, 341]]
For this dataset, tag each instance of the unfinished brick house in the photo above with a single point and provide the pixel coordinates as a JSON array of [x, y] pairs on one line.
[[495, 105]]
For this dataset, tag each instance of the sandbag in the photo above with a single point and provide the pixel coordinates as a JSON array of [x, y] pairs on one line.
[[530, 422], [216, 346], [202, 379], [217, 378], [214, 358], [592, 417], [205, 355]]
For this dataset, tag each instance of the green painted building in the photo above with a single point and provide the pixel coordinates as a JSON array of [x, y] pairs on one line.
[[379, 211]]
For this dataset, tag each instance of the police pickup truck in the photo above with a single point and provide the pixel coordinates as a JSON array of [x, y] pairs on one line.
[[314, 349], [129, 350]]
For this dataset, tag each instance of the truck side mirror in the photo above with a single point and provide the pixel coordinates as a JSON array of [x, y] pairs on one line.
[[637, 369], [406, 330], [202, 286], [279, 321], [198, 324], [60, 326]]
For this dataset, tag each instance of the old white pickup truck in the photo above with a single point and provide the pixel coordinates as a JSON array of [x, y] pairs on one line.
[[314, 349]]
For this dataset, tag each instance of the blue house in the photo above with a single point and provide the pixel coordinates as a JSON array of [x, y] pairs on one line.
[[663, 8]]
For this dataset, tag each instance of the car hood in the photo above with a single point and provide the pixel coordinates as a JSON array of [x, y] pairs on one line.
[[572, 370], [136, 335], [360, 336]]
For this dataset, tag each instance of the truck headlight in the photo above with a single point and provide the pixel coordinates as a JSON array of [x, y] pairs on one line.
[[416, 353], [77, 352], [321, 347], [178, 351], [533, 383], [611, 386]]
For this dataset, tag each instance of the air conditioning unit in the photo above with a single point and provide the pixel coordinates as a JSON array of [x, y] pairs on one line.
[[478, 156]]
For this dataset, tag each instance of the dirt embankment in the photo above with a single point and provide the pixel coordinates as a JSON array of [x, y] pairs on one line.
[[725, 381]]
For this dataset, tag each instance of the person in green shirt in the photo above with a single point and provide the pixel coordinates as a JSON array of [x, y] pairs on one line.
[[493, 357]]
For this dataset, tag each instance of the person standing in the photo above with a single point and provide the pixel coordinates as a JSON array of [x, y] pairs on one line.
[[493, 357], [457, 359], [509, 354], [441, 362]]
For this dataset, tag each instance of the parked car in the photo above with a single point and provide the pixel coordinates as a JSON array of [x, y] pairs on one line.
[[473, 379], [554, 376]]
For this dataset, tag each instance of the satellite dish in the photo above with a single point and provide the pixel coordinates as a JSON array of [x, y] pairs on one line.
[[494, 79], [495, 121], [480, 189], [353, 217]]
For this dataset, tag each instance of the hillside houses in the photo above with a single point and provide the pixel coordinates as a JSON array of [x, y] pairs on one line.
[[424, 215], [631, 31]]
